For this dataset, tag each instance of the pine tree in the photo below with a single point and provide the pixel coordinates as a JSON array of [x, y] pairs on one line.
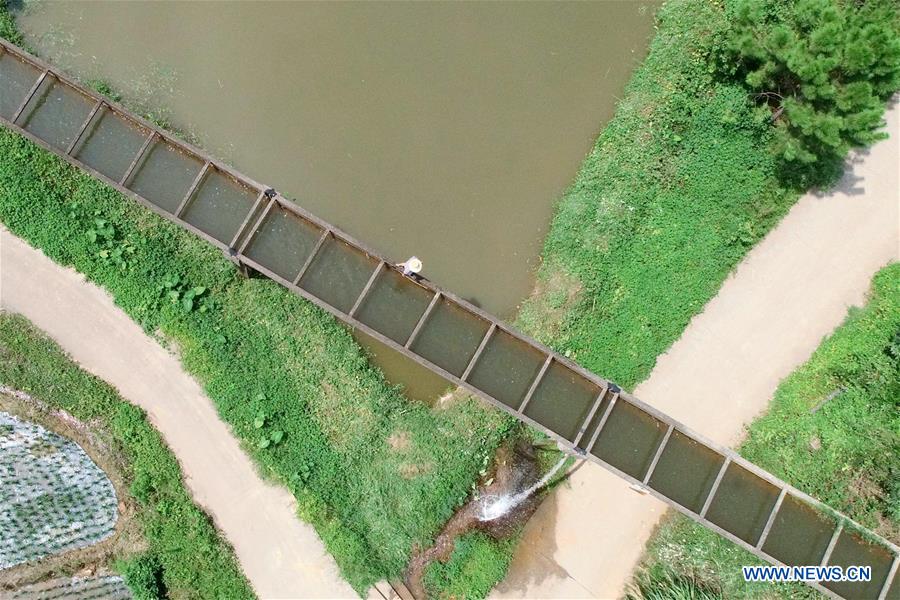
[[823, 68]]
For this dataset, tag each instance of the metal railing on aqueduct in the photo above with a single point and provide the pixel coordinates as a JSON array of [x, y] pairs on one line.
[[260, 229]]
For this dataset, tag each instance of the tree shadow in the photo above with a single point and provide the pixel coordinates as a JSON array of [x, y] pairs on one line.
[[849, 182], [846, 180]]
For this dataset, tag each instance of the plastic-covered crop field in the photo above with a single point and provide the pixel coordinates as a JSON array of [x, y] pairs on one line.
[[107, 587], [53, 497]]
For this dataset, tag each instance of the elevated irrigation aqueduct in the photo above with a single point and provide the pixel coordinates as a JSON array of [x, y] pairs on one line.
[[261, 230]]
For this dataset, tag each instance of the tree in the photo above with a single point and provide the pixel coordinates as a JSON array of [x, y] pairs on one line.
[[823, 68]]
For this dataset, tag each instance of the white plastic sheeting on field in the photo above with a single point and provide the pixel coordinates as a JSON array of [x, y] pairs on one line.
[[53, 497], [107, 587]]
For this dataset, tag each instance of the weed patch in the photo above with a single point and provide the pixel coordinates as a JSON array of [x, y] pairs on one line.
[[680, 184]]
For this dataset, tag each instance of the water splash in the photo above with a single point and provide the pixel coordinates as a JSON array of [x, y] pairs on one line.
[[494, 507]]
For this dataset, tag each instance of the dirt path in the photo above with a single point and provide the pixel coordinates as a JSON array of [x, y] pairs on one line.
[[790, 291], [281, 556]]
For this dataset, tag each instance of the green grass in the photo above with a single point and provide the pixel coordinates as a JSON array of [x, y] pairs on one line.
[[184, 551], [476, 565], [844, 454], [680, 184], [8, 29]]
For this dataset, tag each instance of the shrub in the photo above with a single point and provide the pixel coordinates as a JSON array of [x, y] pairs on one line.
[[143, 575], [476, 564], [8, 28]]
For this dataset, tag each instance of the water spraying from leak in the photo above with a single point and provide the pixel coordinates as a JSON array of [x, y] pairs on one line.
[[494, 507]]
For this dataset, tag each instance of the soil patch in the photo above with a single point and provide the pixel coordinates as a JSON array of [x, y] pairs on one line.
[[106, 585], [399, 440]]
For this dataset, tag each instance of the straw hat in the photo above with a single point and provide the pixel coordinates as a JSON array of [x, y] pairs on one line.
[[413, 264]]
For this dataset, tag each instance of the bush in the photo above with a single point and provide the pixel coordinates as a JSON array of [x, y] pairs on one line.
[[143, 575], [823, 67], [477, 563], [8, 29]]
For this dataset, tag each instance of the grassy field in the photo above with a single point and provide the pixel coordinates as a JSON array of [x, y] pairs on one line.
[[843, 452], [680, 184], [184, 553]]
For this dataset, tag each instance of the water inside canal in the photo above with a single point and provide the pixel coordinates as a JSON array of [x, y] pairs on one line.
[[444, 130]]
